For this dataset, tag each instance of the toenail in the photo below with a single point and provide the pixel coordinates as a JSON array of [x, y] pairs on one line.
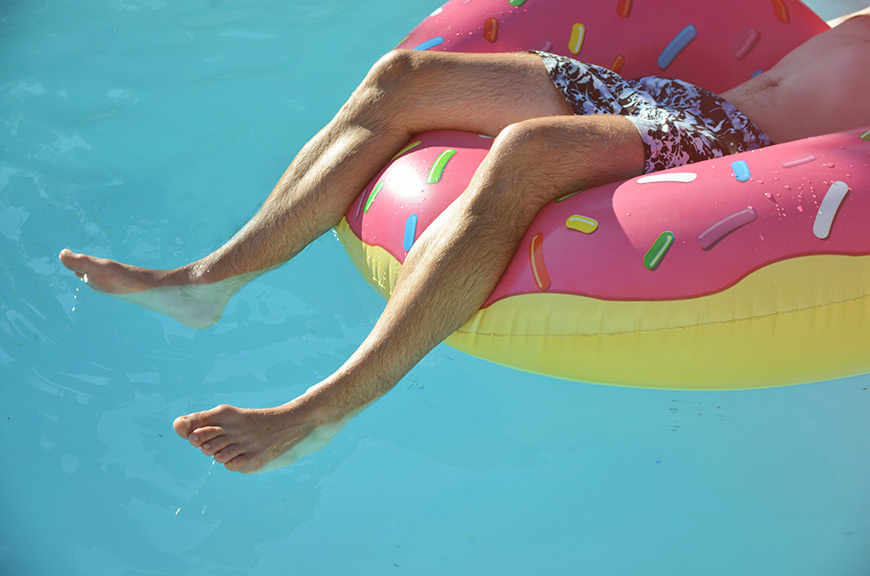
[[206, 446], [194, 437]]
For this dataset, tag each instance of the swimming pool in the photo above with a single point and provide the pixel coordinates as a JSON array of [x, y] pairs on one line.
[[149, 131]]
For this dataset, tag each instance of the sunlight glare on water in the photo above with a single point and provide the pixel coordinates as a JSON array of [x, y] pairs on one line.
[[150, 131]]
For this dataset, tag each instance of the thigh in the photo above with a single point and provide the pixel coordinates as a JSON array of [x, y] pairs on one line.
[[472, 92]]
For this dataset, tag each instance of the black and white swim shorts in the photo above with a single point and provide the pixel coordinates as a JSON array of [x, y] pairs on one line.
[[679, 122]]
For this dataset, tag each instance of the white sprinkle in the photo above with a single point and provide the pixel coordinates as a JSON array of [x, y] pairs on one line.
[[828, 209], [684, 177]]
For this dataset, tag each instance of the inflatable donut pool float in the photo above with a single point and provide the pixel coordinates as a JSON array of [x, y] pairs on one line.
[[746, 271]]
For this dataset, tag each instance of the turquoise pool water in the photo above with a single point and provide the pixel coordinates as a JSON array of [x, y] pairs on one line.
[[149, 131]]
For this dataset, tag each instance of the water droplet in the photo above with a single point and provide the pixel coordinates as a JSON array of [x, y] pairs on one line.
[[800, 208]]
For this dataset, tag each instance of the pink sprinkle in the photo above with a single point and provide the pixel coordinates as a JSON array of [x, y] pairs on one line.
[[752, 39], [712, 235], [800, 162]]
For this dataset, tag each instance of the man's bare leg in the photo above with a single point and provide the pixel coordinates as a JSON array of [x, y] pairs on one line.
[[446, 277], [405, 93]]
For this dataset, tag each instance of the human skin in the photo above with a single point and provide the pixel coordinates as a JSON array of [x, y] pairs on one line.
[[540, 152]]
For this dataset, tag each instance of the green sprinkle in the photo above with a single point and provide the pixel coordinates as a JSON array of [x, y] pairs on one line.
[[438, 166], [406, 148], [658, 250], [373, 195], [566, 196], [866, 135], [517, 2]]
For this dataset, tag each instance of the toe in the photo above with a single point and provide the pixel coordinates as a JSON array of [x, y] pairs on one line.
[[217, 417], [202, 435], [73, 261], [228, 453], [213, 446], [238, 464], [185, 425]]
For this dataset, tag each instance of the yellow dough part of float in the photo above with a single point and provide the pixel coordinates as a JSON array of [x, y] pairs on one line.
[[748, 336], [747, 271]]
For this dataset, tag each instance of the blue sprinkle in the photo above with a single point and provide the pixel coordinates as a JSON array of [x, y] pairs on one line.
[[410, 232], [430, 43], [758, 72], [741, 170], [677, 45]]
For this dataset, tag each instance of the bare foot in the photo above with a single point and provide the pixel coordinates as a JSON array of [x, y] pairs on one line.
[[248, 441], [176, 293]]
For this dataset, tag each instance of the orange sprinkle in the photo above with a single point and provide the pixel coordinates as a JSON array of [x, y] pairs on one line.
[[623, 8], [616, 66], [536, 259], [781, 11], [490, 29]]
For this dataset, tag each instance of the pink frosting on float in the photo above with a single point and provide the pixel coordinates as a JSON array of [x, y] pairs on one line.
[[654, 240], [609, 262], [733, 38]]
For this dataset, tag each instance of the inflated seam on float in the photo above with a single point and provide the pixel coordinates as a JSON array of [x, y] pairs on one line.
[[702, 324]]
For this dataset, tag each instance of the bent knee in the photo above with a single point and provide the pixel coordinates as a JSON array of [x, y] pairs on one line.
[[391, 69], [530, 146], [529, 137]]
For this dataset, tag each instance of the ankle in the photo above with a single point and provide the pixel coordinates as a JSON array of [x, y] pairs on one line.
[[199, 272]]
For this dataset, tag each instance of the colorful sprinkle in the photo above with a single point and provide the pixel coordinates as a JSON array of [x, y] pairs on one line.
[[578, 34], [781, 11], [682, 177], [741, 170], [677, 45], [657, 251], [800, 161], [373, 195], [431, 43], [828, 209], [410, 232], [517, 2], [758, 72], [712, 235], [866, 136], [617, 63], [536, 259], [437, 169], [752, 38], [623, 8], [566, 196], [490, 29], [406, 148], [582, 224]]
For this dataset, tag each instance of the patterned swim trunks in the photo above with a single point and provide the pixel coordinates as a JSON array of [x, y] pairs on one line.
[[679, 122]]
